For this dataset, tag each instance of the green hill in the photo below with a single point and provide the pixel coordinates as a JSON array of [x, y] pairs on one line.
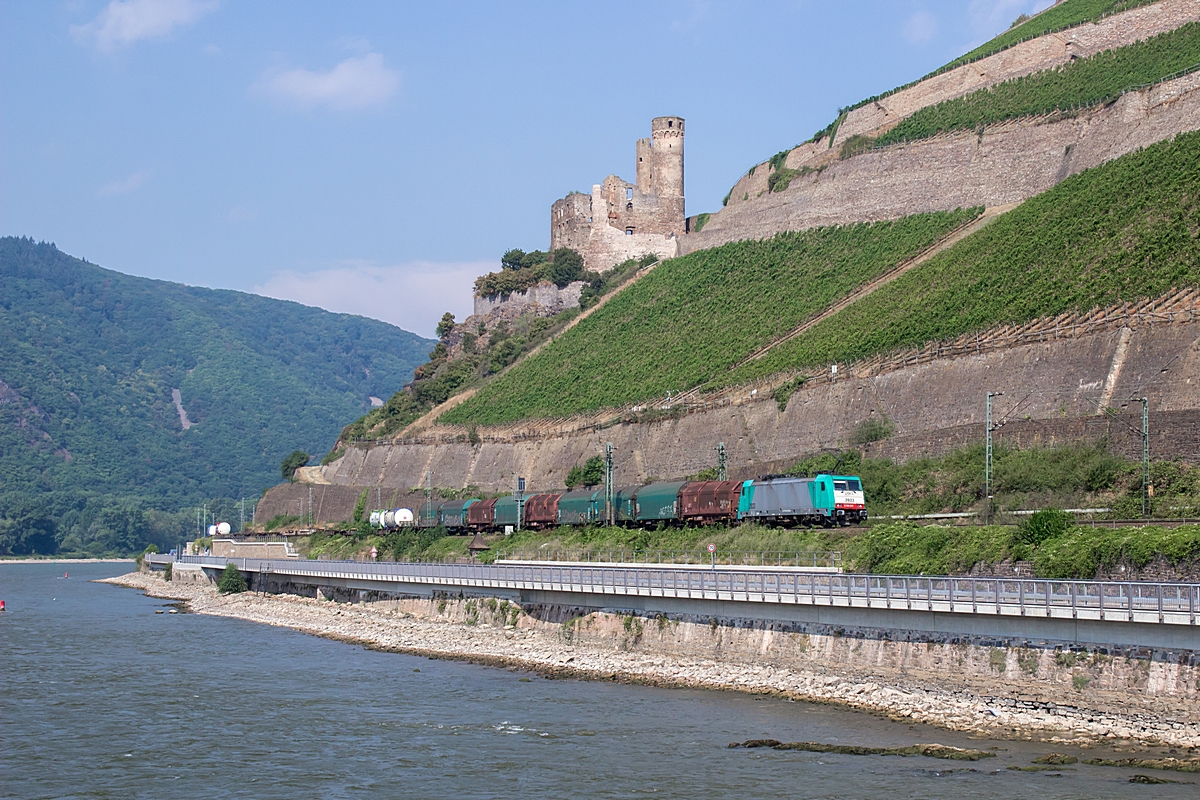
[[693, 317], [89, 359], [1126, 230]]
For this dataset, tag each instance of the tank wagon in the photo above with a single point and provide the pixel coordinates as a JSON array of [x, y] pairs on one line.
[[825, 500]]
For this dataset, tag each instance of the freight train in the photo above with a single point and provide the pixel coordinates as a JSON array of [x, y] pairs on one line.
[[825, 500]]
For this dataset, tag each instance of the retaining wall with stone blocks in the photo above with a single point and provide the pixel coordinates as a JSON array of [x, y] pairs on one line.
[[1052, 391], [1008, 163]]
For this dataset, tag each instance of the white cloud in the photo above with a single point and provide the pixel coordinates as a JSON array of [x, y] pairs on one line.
[[411, 296], [125, 185], [123, 22], [920, 28], [354, 83]]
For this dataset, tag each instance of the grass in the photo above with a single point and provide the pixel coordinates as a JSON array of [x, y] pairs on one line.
[[1080, 83], [1126, 230], [695, 316]]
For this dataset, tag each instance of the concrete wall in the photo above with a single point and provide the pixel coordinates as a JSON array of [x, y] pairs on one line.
[[1008, 163], [1052, 391]]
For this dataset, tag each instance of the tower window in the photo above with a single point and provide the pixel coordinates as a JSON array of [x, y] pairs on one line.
[[629, 231], [629, 206], [629, 194], [670, 123]]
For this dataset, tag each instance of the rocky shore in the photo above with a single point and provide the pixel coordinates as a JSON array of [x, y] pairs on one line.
[[614, 646]]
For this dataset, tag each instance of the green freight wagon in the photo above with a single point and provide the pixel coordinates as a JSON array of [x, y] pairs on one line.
[[581, 507], [658, 502], [453, 513], [624, 505], [506, 512]]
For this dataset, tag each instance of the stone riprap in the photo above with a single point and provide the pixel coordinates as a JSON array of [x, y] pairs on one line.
[[999, 691]]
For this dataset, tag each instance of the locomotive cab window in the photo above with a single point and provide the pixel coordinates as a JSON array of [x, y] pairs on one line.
[[841, 486], [855, 486]]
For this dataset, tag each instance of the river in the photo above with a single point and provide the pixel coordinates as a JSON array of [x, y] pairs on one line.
[[102, 697]]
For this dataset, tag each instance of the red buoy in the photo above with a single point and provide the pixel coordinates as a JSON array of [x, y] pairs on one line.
[[1, 605]]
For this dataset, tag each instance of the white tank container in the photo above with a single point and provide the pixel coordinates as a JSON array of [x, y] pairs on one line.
[[223, 528], [404, 517]]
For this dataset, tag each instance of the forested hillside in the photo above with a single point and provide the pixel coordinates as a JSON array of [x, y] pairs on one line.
[[89, 360]]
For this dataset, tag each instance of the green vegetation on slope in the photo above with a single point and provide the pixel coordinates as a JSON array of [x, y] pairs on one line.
[[1066, 14], [1126, 230], [88, 362], [1084, 82], [694, 316]]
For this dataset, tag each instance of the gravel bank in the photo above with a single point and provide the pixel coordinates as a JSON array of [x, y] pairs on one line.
[[461, 630]]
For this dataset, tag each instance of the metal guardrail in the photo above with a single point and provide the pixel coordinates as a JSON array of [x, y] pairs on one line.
[[1106, 601], [701, 557]]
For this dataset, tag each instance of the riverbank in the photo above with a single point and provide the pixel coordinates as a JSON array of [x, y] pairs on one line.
[[1124, 703]]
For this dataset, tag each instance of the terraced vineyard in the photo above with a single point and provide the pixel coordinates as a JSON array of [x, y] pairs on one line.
[[1085, 82], [1127, 230], [694, 317]]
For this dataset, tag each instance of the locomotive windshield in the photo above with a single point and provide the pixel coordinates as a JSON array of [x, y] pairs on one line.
[[841, 486], [855, 486]]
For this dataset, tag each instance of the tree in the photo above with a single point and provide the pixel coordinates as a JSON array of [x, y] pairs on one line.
[[446, 325], [231, 580], [513, 259], [567, 267], [293, 462], [590, 474]]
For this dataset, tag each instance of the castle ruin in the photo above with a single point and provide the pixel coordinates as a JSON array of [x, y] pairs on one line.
[[621, 220]]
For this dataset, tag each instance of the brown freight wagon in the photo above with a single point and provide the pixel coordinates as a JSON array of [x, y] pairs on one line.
[[481, 515], [541, 510], [709, 501]]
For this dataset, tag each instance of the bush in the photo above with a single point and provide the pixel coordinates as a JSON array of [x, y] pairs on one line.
[[1045, 524], [231, 580], [872, 429], [167, 572], [293, 462], [590, 474]]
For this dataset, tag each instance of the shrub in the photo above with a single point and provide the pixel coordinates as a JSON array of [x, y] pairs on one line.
[[590, 474], [1045, 524], [872, 429], [167, 571], [702, 219], [231, 580], [293, 462]]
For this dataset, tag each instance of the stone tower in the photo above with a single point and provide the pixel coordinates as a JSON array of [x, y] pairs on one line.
[[621, 220]]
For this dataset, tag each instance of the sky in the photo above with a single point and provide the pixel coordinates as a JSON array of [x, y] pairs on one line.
[[375, 157]]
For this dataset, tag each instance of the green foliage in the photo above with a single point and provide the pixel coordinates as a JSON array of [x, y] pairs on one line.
[[777, 161], [1120, 232], [602, 284], [521, 270], [361, 506], [281, 521], [167, 572], [231, 580], [781, 179], [693, 317], [783, 393], [1083, 82], [89, 361], [1045, 524], [445, 325], [872, 429], [856, 144], [1081, 550], [591, 473], [294, 461], [702, 219], [1065, 14], [724, 202]]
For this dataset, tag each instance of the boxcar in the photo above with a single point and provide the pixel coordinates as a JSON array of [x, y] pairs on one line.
[[453, 513], [624, 504], [657, 502], [541, 510], [709, 501], [506, 512], [481, 516], [581, 507]]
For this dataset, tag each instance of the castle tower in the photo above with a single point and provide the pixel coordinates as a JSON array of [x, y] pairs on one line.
[[666, 149]]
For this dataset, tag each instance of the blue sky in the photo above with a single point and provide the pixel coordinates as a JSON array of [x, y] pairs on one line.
[[374, 157]]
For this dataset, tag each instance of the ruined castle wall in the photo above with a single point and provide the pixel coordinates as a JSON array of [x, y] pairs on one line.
[[1045, 52], [1008, 163], [1052, 391], [545, 299], [571, 222]]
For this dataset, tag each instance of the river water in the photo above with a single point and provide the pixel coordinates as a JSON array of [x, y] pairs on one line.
[[104, 698]]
